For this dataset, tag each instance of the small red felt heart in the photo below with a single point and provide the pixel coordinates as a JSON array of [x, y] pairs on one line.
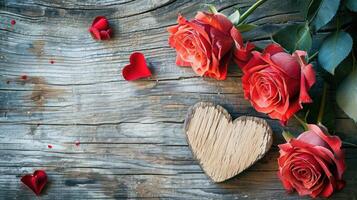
[[137, 68], [36, 181]]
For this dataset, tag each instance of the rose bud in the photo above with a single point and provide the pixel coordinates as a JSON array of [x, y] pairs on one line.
[[313, 163], [100, 29], [206, 43], [277, 83]]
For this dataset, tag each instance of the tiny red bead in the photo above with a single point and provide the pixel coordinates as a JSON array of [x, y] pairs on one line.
[[13, 22], [49, 146]]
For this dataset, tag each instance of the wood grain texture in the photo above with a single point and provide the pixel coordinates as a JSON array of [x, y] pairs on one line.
[[224, 148], [132, 143]]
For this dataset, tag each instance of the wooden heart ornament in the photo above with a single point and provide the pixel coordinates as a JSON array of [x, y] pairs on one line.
[[223, 147]]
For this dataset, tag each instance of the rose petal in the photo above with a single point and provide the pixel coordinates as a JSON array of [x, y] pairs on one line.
[[105, 35], [95, 33], [327, 191], [217, 21], [273, 49], [181, 62], [312, 138], [287, 63], [100, 23], [236, 36]]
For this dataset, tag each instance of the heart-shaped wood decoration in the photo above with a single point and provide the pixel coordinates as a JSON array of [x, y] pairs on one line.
[[224, 148]]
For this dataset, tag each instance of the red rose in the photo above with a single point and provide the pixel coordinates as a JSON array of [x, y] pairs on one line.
[[100, 29], [277, 83], [312, 164], [206, 44]]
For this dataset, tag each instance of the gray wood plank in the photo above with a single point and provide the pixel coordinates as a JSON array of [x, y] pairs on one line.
[[131, 133]]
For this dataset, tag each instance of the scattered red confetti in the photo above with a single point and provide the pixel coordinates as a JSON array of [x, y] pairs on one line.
[[49, 146], [13, 22], [52, 62], [36, 181], [77, 143], [24, 77], [100, 29], [137, 68]]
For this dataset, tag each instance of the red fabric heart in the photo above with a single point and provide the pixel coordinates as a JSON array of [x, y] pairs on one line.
[[137, 68], [36, 181], [100, 29]]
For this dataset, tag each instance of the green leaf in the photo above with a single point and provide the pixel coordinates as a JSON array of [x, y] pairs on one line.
[[212, 9], [334, 49], [343, 70], [326, 11], [294, 37], [352, 5], [234, 17], [346, 96], [246, 27], [287, 135], [301, 5], [312, 9]]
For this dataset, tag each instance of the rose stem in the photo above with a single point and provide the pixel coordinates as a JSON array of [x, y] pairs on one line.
[[348, 143], [312, 56], [322, 104], [303, 124], [250, 10], [353, 61]]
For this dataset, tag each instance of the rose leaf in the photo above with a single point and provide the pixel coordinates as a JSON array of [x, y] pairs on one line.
[[294, 37], [234, 17], [212, 9], [287, 135], [334, 49], [302, 6], [246, 27], [347, 94], [352, 5], [322, 13]]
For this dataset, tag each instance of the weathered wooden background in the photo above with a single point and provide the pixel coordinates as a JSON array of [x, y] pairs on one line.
[[132, 143]]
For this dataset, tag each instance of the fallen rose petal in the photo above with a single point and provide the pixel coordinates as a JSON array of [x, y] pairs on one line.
[[100, 29], [95, 33], [100, 23], [105, 35]]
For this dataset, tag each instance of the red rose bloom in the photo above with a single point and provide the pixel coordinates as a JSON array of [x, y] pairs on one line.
[[277, 83], [207, 43], [100, 29], [312, 164]]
